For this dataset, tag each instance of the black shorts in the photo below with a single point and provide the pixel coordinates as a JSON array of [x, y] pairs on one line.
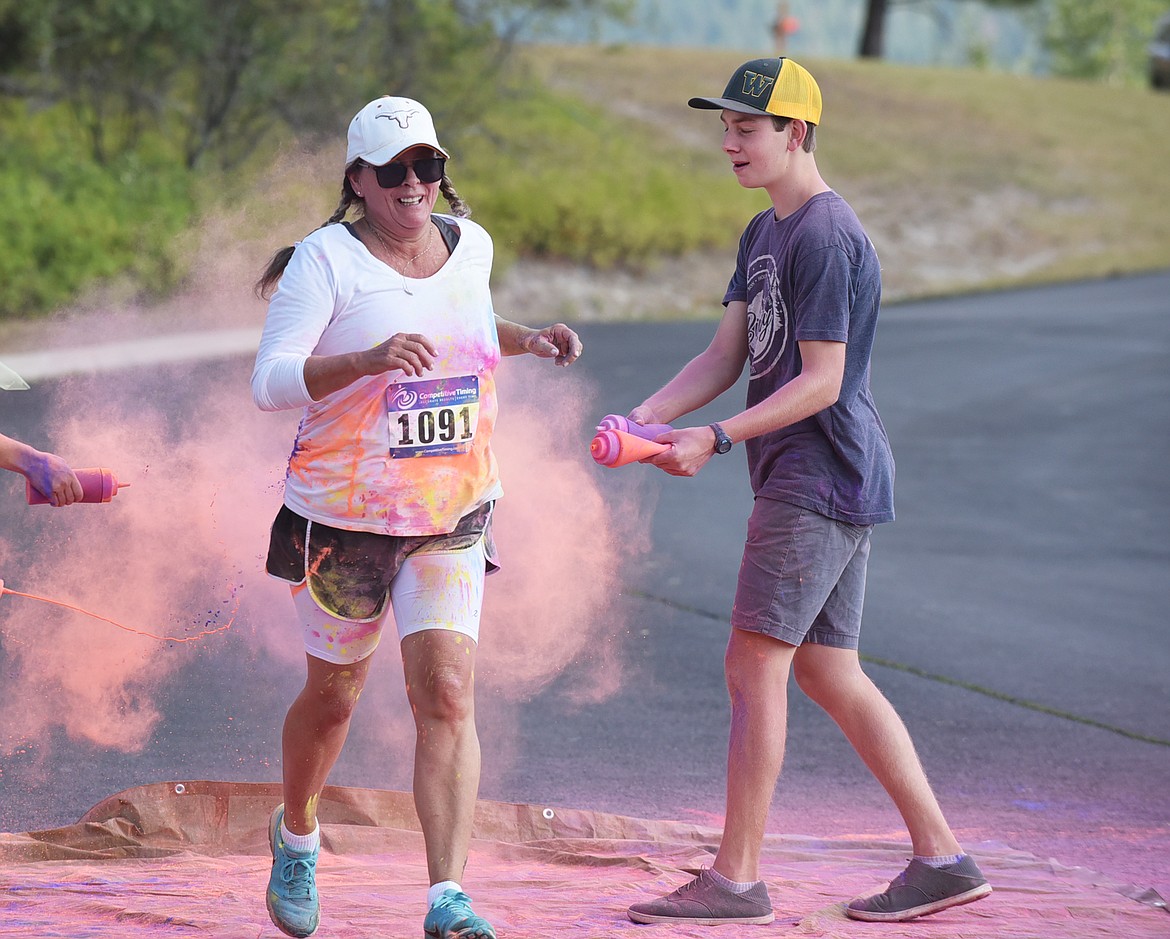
[[351, 571]]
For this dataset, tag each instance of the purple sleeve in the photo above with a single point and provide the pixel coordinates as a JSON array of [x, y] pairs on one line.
[[737, 286], [824, 295]]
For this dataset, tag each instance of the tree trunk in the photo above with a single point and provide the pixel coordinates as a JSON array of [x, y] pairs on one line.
[[873, 35]]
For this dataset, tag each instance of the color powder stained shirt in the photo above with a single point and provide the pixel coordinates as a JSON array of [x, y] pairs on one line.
[[390, 453]]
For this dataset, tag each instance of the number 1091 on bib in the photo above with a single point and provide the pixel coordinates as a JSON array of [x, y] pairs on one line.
[[432, 418]]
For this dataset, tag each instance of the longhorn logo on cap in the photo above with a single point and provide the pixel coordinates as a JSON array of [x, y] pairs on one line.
[[402, 118]]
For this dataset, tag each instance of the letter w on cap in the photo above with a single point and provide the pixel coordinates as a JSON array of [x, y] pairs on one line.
[[755, 84]]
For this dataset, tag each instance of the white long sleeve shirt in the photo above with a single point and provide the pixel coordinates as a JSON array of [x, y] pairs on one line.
[[390, 453]]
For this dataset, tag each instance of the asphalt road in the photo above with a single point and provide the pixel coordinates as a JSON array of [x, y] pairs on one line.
[[1016, 612]]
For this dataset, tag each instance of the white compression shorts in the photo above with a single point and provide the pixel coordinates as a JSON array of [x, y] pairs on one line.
[[443, 590]]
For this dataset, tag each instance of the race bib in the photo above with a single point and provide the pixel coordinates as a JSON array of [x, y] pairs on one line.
[[433, 418]]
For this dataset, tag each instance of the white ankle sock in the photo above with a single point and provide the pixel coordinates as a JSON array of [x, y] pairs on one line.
[[945, 860], [301, 844], [436, 891], [733, 885]]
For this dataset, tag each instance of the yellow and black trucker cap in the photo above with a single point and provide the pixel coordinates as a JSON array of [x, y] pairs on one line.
[[769, 86]]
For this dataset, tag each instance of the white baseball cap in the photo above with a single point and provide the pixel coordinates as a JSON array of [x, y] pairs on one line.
[[388, 126]]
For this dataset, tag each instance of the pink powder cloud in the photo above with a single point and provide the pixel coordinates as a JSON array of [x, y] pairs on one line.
[[181, 550]]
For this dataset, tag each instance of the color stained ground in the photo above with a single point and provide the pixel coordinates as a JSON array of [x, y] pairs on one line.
[[190, 859]]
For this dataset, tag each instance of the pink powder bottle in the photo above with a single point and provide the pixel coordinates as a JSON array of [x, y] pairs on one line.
[[97, 485]]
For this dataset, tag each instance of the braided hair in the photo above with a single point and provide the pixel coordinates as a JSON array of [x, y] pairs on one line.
[[266, 284]]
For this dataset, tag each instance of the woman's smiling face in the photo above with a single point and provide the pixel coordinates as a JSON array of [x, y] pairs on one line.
[[405, 209]]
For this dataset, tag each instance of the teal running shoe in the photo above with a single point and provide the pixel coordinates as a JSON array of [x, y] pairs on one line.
[[292, 888], [451, 917]]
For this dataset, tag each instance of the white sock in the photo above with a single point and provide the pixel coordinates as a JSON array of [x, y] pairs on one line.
[[438, 889], [733, 885], [945, 860], [301, 844]]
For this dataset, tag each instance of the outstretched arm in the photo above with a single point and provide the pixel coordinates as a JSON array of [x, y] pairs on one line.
[[816, 387], [704, 377]]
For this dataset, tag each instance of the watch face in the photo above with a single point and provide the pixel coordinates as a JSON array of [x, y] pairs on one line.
[[722, 441]]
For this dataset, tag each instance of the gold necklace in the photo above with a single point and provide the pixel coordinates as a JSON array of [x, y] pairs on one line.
[[389, 253]]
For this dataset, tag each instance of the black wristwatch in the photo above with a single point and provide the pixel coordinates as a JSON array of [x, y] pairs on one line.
[[722, 441]]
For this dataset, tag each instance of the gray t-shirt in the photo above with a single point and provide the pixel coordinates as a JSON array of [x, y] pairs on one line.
[[815, 276]]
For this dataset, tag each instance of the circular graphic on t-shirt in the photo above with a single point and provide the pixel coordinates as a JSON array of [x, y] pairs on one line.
[[767, 316]]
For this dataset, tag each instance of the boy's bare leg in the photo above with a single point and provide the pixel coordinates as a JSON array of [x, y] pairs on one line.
[[757, 669], [833, 678]]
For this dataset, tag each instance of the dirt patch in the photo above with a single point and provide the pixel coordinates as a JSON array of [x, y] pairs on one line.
[[676, 288], [926, 248], [936, 243]]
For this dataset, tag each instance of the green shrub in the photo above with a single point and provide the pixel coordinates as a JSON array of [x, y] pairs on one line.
[[66, 222]]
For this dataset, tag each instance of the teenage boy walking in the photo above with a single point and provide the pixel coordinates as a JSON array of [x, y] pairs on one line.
[[801, 308]]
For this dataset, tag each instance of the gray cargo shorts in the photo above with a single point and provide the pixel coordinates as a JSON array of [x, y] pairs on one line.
[[802, 578]]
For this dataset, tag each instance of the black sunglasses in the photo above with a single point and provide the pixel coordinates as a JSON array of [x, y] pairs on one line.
[[392, 175]]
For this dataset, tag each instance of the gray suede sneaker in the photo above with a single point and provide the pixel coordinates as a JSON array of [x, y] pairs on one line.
[[703, 901], [920, 890]]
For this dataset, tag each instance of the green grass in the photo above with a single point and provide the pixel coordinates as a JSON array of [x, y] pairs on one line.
[[1087, 161], [555, 177], [591, 155], [1073, 171]]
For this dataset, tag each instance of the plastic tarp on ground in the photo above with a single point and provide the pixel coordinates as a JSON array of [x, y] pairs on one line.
[[191, 859]]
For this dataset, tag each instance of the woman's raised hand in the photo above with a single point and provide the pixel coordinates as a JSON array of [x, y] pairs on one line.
[[557, 342], [413, 353]]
